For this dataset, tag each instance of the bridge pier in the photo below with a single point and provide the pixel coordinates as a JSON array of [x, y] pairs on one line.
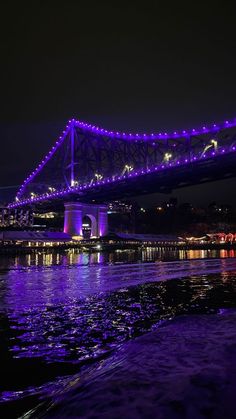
[[76, 211]]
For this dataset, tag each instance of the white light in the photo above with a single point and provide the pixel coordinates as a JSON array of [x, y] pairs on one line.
[[167, 157], [98, 176], [214, 143]]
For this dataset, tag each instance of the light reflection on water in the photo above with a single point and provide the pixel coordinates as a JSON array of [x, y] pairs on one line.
[[75, 257], [57, 311]]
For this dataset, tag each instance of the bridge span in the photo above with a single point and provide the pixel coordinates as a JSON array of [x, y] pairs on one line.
[[89, 165]]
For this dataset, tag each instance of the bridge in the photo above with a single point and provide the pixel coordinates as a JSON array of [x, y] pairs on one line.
[[89, 166]]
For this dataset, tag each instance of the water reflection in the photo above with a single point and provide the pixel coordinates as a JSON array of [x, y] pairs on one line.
[[227, 253], [88, 328], [75, 257], [61, 283], [59, 311]]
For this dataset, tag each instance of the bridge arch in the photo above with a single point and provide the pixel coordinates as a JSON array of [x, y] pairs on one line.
[[92, 220], [75, 213]]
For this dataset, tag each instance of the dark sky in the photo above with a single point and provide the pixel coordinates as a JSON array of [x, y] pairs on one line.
[[128, 65]]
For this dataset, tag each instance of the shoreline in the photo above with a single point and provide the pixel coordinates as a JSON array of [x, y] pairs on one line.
[[104, 247]]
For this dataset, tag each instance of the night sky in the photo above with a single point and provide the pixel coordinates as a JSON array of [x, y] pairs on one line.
[[130, 65]]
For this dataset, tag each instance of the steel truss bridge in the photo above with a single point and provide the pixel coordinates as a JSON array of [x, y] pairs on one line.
[[91, 164]]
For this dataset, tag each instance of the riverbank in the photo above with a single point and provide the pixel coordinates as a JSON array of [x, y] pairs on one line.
[[98, 246], [184, 369]]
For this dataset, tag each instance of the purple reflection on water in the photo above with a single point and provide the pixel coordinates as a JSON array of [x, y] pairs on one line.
[[33, 287], [60, 314]]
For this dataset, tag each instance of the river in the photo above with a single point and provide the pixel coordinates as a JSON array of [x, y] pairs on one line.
[[61, 314]]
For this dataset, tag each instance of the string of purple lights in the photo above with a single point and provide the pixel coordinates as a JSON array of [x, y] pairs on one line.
[[111, 134], [161, 136], [125, 136]]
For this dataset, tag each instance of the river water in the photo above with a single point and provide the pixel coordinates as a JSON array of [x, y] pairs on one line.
[[60, 314]]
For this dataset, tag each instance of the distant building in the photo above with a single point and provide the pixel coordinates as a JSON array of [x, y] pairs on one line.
[[46, 215], [119, 207], [33, 238], [15, 217], [158, 239]]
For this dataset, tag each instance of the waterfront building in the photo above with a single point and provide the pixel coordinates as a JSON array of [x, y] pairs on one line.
[[15, 217]]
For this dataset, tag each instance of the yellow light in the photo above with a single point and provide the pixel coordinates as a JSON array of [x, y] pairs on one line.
[[74, 183], [214, 143], [167, 157], [129, 168], [51, 189], [98, 176]]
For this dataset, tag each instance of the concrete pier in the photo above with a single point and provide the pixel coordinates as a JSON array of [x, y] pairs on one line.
[[76, 211]]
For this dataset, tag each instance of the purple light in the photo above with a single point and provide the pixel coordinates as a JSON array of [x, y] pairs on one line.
[[203, 130], [101, 131]]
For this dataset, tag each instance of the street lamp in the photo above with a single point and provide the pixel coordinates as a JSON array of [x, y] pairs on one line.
[[214, 143], [51, 189], [98, 176], [128, 168]]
